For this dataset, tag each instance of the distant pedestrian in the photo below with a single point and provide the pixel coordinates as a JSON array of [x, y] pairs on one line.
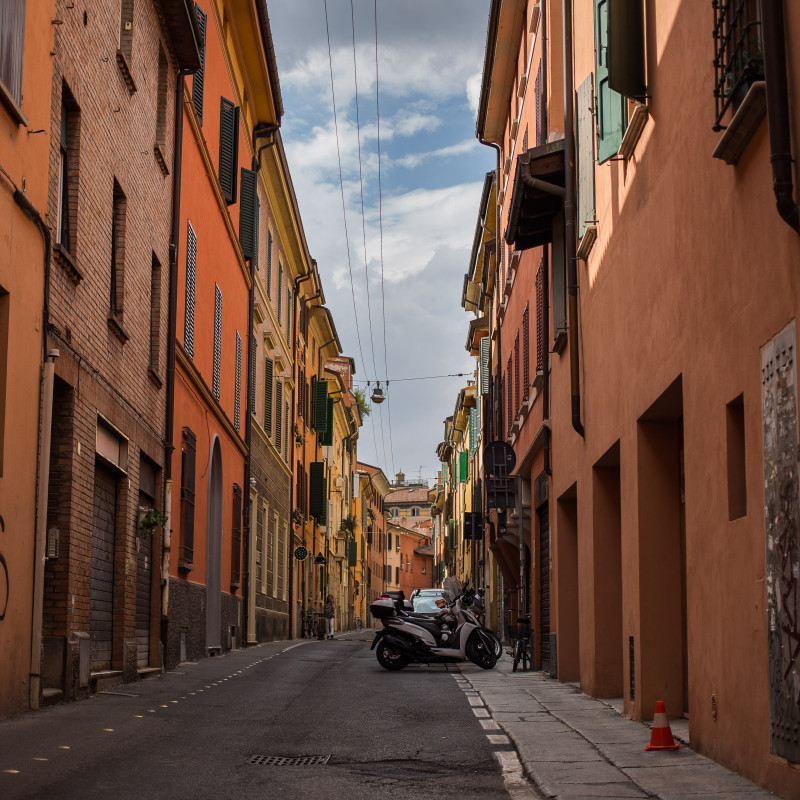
[[328, 613]]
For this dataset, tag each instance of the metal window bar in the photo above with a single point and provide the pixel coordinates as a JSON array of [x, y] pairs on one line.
[[738, 56]]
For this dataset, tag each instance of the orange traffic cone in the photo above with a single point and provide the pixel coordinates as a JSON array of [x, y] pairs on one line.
[[661, 736]]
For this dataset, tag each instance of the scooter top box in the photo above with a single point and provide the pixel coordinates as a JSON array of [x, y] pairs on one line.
[[382, 608]]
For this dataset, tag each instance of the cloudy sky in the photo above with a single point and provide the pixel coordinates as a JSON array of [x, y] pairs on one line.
[[394, 280]]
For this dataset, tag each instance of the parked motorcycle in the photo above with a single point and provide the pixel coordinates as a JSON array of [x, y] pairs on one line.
[[451, 636]]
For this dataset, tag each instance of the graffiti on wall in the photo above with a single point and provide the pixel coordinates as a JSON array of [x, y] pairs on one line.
[[782, 533]]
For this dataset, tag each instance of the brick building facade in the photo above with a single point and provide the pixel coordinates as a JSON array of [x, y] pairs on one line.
[[109, 210]]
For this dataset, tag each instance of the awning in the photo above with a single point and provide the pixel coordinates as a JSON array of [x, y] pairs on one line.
[[538, 196]]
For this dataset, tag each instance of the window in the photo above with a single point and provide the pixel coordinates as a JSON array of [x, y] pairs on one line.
[[278, 409], [251, 373], [510, 392], [278, 289], [611, 108], [198, 79], [585, 152], [289, 317], [125, 49], [526, 370], [118, 251], [12, 44], [272, 527], [317, 491], [737, 474], [188, 456], [269, 264], [516, 373], [215, 380], [538, 98], [160, 146], [286, 432], [248, 213], [236, 536], [540, 333], [484, 381], [228, 149], [268, 396], [67, 212], [191, 261], [738, 57], [260, 513], [237, 385], [155, 313]]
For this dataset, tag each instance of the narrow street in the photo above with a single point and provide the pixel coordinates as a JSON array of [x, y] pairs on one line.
[[192, 732]]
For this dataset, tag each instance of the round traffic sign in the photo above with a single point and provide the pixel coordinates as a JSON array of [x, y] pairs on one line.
[[300, 553]]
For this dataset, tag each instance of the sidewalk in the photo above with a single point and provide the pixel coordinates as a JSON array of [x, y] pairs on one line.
[[573, 746]]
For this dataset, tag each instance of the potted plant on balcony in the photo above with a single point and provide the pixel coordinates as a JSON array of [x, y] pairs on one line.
[[348, 527], [298, 437], [297, 517]]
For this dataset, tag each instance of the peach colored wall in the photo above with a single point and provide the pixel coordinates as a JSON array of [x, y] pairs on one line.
[[25, 158]]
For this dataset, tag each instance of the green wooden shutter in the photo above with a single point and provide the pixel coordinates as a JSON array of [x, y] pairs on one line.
[[228, 148], [352, 554], [198, 79], [251, 367], [451, 534], [626, 63], [485, 347], [268, 396], [327, 437], [257, 225], [317, 491], [585, 147], [320, 417], [463, 457], [610, 105], [247, 213]]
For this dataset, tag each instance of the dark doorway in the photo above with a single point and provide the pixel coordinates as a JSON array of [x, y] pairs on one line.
[[101, 603]]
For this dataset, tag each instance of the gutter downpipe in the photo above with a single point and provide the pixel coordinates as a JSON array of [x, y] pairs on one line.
[[570, 210], [43, 484], [172, 312], [546, 271], [772, 28]]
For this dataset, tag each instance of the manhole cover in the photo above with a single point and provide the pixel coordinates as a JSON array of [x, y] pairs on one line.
[[281, 761]]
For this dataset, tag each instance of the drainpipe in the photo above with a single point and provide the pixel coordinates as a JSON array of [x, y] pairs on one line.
[[42, 489], [172, 312], [546, 267], [772, 31], [570, 211]]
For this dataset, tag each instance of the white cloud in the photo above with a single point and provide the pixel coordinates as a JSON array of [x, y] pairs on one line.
[[412, 160]]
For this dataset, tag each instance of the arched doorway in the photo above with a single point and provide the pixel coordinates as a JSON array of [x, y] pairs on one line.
[[214, 550]]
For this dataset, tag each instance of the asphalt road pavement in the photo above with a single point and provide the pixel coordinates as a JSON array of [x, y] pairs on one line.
[[192, 733]]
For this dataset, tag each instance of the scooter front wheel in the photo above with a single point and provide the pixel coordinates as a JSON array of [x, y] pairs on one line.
[[479, 653], [390, 657]]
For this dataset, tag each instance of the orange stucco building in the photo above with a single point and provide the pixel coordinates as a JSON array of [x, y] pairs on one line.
[[25, 78], [656, 449]]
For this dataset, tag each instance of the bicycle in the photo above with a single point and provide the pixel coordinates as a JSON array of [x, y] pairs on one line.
[[522, 634], [311, 622]]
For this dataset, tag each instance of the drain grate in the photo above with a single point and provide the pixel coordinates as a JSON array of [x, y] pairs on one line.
[[280, 761]]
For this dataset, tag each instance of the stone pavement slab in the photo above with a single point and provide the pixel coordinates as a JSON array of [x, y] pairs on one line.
[[573, 746]]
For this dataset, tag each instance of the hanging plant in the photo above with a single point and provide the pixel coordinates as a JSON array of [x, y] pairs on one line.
[[151, 518], [298, 437], [297, 517], [348, 526]]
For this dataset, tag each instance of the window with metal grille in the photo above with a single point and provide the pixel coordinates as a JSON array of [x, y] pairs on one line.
[[12, 46], [118, 250], [517, 375], [215, 380], [509, 394], [278, 414], [526, 358], [237, 385], [286, 432], [540, 333], [268, 396], [738, 56], [228, 149], [191, 262], [236, 536], [155, 313], [161, 102], [188, 458], [198, 79]]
